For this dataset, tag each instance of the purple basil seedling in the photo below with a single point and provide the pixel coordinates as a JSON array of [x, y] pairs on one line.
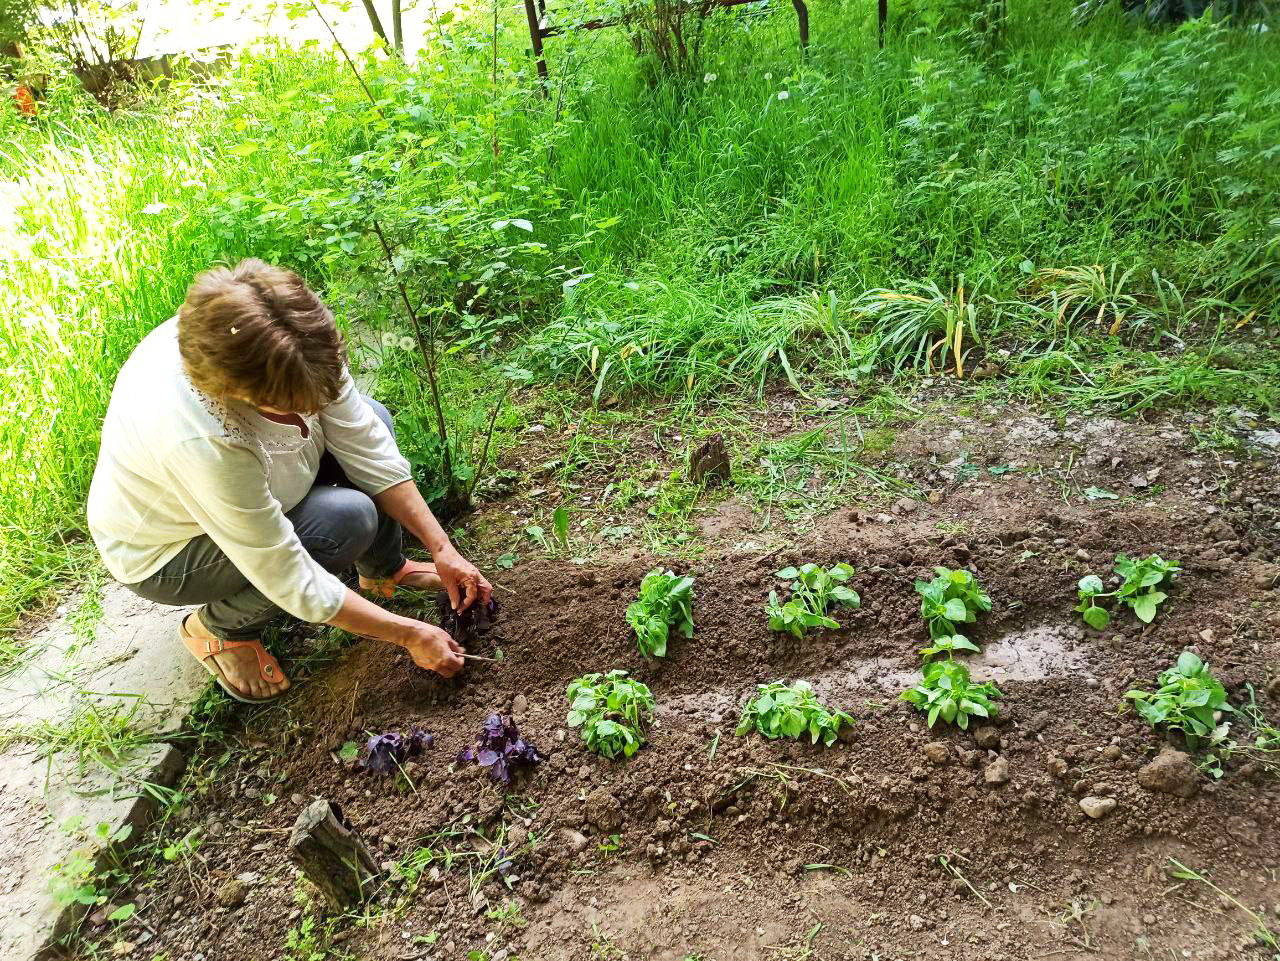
[[501, 749]]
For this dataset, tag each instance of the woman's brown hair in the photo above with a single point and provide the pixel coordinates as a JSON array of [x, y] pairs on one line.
[[259, 333]]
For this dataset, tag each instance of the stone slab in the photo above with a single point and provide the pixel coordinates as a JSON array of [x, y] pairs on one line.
[[50, 807]]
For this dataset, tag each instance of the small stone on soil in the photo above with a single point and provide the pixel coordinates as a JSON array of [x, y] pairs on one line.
[[1097, 807], [937, 752], [997, 772]]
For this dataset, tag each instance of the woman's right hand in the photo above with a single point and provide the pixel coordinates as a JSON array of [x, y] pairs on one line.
[[433, 649]]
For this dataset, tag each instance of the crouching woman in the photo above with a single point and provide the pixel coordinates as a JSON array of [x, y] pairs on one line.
[[241, 470]]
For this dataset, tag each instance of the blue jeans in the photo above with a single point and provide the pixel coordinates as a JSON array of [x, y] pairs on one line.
[[338, 525]]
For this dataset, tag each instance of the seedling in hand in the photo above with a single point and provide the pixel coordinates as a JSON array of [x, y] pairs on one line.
[[501, 749], [813, 591], [780, 710], [1188, 699], [665, 601], [1140, 589], [465, 626], [614, 712], [946, 692]]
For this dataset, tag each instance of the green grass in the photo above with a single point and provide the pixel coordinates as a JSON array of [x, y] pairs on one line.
[[733, 239]]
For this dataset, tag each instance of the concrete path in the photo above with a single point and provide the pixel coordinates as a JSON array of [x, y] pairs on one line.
[[51, 807]]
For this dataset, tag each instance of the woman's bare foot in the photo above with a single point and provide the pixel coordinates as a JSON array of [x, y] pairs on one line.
[[239, 665], [420, 576]]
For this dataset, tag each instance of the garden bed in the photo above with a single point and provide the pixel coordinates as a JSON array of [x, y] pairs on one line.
[[897, 841]]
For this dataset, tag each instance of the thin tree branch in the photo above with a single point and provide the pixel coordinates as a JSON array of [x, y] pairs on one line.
[[375, 21], [350, 63], [488, 436]]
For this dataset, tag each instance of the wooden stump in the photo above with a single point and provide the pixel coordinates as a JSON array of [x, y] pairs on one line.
[[332, 855], [710, 461]]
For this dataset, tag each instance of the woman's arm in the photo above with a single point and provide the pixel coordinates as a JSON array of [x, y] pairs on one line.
[[462, 580], [428, 645]]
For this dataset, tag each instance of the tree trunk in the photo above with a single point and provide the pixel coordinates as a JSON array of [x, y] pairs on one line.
[[332, 855], [397, 28], [375, 21]]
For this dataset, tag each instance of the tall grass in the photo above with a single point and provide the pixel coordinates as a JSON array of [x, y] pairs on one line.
[[683, 234]]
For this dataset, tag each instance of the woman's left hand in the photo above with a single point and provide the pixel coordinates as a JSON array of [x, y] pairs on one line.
[[462, 581]]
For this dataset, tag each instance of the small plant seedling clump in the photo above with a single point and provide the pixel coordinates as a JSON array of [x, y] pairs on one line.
[[500, 748], [947, 646], [386, 752], [814, 590], [465, 626], [781, 710], [613, 710], [1141, 589], [665, 601], [951, 598], [1188, 699], [947, 692]]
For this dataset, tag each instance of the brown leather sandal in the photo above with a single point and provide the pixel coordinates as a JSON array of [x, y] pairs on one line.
[[385, 587], [204, 648]]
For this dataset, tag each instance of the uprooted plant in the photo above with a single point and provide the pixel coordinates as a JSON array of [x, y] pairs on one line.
[[947, 692], [613, 710], [782, 710], [814, 590], [952, 597], [1141, 586], [665, 601], [501, 750], [1188, 699]]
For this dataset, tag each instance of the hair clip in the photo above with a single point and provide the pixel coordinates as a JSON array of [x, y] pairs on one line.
[[235, 330]]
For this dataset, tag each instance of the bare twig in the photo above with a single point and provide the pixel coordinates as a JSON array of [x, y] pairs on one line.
[[483, 462], [350, 63]]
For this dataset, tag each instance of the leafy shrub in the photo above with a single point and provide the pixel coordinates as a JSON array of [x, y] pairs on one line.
[[948, 646], [1140, 589], [946, 692], [1186, 700], [813, 591], [780, 710], [500, 748], [665, 601], [613, 711], [951, 598]]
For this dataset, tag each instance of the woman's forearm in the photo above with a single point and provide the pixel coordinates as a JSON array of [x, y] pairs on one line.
[[360, 616], [404, 503]]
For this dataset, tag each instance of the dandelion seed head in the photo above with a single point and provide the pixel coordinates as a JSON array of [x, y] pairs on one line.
[[784, 95], [388, 340], [709, 78], [406, 343]]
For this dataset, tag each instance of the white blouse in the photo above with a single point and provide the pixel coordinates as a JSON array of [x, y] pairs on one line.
[[176, 463]]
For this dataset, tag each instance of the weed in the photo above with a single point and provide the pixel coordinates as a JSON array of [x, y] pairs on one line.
[[1140, 588], [813, 591], [665, 601], [952, 597], [1262, 933], [614, 712], [782, 710], [1188, 699], [947, 692]]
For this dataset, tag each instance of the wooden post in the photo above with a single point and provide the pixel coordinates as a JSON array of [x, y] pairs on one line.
[[535, 38], [802, 22], [332, 855], [882, 16]]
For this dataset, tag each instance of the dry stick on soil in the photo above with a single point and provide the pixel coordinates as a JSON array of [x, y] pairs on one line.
[[955, 872]]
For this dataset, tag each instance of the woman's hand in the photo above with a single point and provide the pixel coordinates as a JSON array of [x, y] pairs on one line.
[[463, 582], [433, 649]]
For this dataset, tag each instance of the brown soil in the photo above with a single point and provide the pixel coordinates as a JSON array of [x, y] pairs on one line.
[[739, 848]]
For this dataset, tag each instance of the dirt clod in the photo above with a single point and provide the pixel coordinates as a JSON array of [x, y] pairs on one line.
[[604, 813], [937, 752], [988, 737], [1173, 772], [231, 894]]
